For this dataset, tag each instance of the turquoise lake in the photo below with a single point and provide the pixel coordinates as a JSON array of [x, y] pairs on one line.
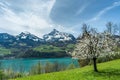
[[16, 64]]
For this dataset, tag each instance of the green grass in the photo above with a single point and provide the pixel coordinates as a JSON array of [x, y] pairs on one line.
[[107, 71], [51, 48], [4, 51], [47, 48]]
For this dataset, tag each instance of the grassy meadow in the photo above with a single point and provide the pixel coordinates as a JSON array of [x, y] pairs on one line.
[[107, 71]]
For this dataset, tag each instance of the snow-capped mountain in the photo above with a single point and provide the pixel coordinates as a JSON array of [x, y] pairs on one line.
[[6, 36], [29, 39], [6, 39], [55, 35], [26, 39], [27, 35]]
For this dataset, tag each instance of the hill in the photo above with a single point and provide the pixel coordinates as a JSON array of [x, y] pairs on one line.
[[56, 36], [29, 40], [4, 51], [27, 45], [48, 51], [107, 71]]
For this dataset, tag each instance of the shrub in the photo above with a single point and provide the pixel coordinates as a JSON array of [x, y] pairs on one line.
[[36, 69], [83, 62], [48, 67], [71, 66], [1, 75], [109, 57]]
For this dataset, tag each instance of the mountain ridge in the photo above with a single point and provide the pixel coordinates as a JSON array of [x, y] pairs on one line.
[[26, 45], [32, 40]]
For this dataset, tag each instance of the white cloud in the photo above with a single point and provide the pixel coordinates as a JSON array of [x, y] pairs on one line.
[[82, 8], [34, 17], [105, 10]]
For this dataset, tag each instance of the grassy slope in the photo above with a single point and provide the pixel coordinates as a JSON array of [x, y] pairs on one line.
[[107, 71], [50, 48], [4, 51], [47, 48]]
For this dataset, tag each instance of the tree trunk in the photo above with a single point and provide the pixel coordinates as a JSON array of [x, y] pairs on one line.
[[94, 64]]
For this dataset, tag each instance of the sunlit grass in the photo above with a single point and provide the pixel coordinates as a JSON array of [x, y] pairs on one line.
[[4, 51], [107, 71]]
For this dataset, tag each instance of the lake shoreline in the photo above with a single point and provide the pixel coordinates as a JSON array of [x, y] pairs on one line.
[[8, 58], [27, 63]]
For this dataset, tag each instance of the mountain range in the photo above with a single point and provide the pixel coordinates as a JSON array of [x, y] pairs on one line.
[[25, 45], [26, 39]]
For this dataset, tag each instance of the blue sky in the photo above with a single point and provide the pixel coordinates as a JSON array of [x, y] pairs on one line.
[[41, 16]]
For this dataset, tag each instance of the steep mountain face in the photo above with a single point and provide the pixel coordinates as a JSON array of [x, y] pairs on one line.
[[27, 35], [26, 39], [56, 36], [23, 45], [7, 39], [29, 39], [6, 36]]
